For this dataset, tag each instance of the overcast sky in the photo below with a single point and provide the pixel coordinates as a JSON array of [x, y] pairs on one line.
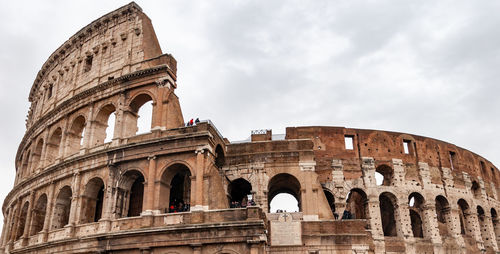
[[423, 67]]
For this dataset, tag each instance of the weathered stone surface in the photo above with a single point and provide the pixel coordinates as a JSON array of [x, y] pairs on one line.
[[183, 189]]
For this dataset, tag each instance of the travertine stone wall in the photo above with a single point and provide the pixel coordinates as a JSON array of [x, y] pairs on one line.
[[186, 189]]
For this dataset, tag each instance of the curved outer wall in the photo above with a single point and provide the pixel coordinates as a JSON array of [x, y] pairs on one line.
[[173, 189]]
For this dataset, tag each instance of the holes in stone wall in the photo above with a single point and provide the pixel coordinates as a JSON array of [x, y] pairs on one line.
[[288, 189], [38, 217]]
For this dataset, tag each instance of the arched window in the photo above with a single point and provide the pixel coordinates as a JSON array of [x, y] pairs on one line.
[[464, 216], [383, 175], [494, 220], [357, 204], [284, 193], [75, 135], [25, 165], [92, 201], [239, 190], [219, 156], [37, 153], [331, 201], [53, 146], [388, 204], [483, 227], [176, 188], [141, 115], [22, 221], [38, 217], [62, 208], [476, 191], [415, 204], [443, 214], [104, 128], [130, 194]]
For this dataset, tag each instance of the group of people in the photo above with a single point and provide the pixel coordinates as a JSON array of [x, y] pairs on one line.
[[193, 122], [177, 207], [242, 204]]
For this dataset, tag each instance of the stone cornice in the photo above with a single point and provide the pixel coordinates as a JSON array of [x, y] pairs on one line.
[[77, 39]]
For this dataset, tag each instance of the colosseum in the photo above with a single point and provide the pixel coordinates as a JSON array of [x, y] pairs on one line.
[[184, 188]]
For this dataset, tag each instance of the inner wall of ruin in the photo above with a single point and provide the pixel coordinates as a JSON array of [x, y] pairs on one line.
[[186, 189]]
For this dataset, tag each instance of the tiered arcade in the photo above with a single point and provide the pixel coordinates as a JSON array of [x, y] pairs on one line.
[[85, 184]]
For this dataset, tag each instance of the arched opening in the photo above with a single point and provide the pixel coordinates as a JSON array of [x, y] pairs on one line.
[[22, 221], [383, 175], [388, 204], [415, 204], [103, 127], [53, 146], [130, 194], [75, 135], [219, 156], [357, 204], [37, 153], [464, 216], [483, 169], [141, 115], [25, 164], [331, 202], [38, 217], [62, 208], [476, 191], [175, 189], [443, 214], [482, 226], [288, 189], [92, 201], [494, 220], [239, 192]]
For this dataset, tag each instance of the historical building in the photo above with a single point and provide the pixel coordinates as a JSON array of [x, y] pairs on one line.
[[186, 189]]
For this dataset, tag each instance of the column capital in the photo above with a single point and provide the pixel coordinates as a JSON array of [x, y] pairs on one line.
[[151, 157]]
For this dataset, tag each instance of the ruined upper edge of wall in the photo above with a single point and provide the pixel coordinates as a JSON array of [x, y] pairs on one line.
[[118, 43]]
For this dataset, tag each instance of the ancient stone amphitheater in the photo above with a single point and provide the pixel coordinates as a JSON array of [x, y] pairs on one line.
[[186, 189]]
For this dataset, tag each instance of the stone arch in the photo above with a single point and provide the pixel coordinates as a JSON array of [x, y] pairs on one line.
[[38, 217], [388, 205], [25, 163], [22, 221], [52, 146], [284, 183], [219, 156], [175, 189], [483, 227], [101, 124], [75, 134], [357, 203], [92, 201], [330, 198], [443, 215], [495, 222], [238, 191], [464, 217], [476, 190], [37, 155], [62, 208], [130, 194], [131, 117], [387, 173], [416, 207]]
